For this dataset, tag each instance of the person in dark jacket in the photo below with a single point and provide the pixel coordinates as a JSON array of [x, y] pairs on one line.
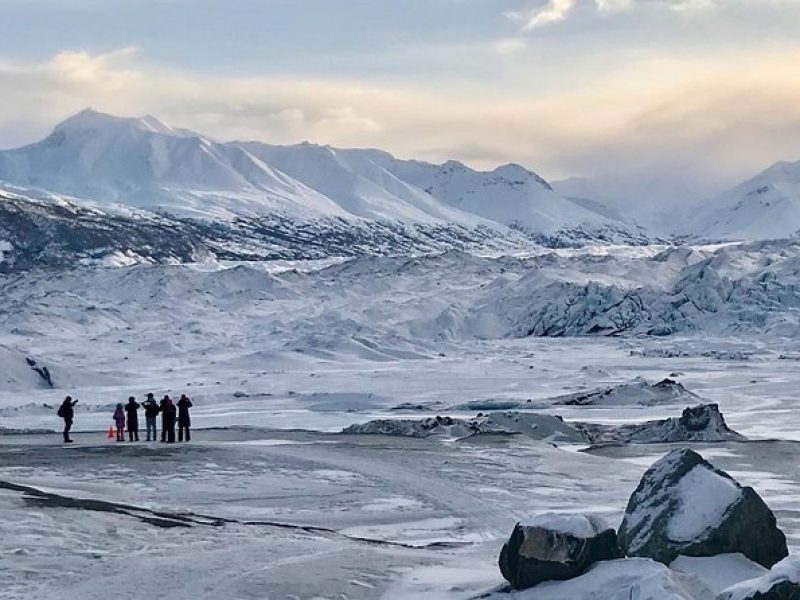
[[132, 408], [67, 412], [119, 421], [162, 405], [151, 411], [168, 417], [184, 420]]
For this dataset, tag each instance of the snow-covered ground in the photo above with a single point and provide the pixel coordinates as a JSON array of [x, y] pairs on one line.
[[278, 359]]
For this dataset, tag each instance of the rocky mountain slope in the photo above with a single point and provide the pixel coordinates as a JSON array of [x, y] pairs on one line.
[[252, 200], [45, 230]]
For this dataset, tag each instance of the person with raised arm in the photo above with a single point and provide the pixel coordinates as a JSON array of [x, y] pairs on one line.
[[151, 410], [67, 412]]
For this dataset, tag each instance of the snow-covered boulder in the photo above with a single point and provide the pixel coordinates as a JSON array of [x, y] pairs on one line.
[[556, 547], [702, 423], [781, 583], [637, 578], [639, 392], [685, 506]]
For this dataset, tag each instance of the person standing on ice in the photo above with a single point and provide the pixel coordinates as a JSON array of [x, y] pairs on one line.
[[67, 412], [151, 411], [184, 420], [162, 408], [119, 421], [168, 417], [132, 408]]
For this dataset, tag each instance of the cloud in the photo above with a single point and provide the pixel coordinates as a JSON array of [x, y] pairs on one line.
[[552, 12], [555, 11], [716, 118], [611, 6]]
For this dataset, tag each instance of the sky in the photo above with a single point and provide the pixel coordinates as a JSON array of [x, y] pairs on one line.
[[657, 100]]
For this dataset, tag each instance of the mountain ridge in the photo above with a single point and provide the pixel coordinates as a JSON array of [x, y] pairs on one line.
[[146, 163], [766, 206]]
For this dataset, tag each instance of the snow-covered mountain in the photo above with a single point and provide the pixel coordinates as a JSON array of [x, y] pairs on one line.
[[510, 194], [359, 184], [764, 207], [514, 196], [145, 163], [100, 163], [368, 181]]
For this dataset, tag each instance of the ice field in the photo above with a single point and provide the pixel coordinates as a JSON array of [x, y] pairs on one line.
[[270, 499]]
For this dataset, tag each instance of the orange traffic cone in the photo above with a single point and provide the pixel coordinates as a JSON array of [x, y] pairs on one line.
[[111, 433]]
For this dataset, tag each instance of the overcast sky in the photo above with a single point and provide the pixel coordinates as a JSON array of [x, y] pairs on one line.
[[688, 93]]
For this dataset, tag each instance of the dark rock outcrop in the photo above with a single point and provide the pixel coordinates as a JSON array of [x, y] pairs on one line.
[[685, 506], [42, 371], [703, 423], [556, 548]]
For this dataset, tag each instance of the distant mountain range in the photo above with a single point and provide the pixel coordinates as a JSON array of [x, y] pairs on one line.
[[112, 189], [254, 199], [764, 207]]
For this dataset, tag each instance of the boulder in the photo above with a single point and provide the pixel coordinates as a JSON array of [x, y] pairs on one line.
[[556, 547], [703, 423], [685, 506], [781, 583]]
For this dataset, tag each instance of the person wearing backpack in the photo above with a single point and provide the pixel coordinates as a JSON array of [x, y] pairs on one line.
[[184, 420], [67, 412], [119, 421], [132, 408], [151, 411]]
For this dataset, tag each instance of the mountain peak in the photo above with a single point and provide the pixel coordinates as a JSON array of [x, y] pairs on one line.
[[90, 119], [513, 171], [781, 171]]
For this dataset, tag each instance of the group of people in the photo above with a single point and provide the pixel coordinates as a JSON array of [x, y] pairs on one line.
[[126, 416]]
